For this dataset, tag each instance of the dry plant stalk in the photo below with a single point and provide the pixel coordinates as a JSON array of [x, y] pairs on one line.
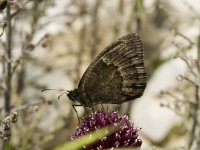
[[193, 79]]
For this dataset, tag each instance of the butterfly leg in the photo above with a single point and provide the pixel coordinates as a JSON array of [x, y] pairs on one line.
[[102, 107], [86, 110], [93, 109], [77, 113]]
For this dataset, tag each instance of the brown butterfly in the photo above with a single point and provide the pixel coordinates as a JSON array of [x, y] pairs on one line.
[[115, 76]]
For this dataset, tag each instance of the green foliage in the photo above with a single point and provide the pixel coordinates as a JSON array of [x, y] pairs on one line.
[[89, 138]]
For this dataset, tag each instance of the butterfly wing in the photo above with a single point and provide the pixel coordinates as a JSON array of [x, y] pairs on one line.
[[117, 74]]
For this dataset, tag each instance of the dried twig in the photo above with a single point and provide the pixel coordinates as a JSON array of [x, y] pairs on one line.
[[32, 106], [82, 34], [187, 79], [138, 11], [95, 26], [7, 94], [5, 125], [3, 26], [194, 138], [189, 66], [184, 37]]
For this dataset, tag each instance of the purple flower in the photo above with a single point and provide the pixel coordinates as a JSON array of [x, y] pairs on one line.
[[127, 136]]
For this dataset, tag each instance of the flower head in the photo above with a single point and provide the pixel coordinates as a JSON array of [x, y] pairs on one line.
[[126, 136]]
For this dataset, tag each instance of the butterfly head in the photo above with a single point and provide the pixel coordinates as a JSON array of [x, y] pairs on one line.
[[73, 95], [82, 98]]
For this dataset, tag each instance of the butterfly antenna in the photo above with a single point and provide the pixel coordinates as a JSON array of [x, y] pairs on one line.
[[44, 90], [62, 94]]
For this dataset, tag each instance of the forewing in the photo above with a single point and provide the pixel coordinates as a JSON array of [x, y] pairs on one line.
[[117, 74]]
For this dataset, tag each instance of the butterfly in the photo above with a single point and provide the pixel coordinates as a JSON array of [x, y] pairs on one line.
[[115, 76]]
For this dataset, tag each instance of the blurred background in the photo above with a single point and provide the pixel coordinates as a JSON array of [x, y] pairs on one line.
[[50, 43]]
